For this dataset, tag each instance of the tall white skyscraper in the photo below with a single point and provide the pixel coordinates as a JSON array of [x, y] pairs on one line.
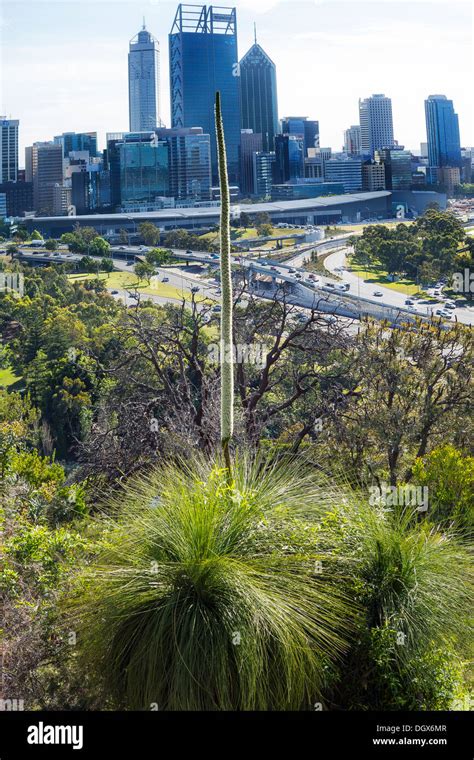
[[376, 124], [144, 82], [9, 150]]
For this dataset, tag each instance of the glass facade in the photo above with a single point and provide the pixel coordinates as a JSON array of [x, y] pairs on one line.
[[301, 126], [263, 174], [9, 150], [144, 169], [190, 164], [258, 87], [203, 60], [442, 128], [289, 159], [77, 141], [144, 82], [398, 168]]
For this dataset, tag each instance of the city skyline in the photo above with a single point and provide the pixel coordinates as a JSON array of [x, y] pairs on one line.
[[67, 100]]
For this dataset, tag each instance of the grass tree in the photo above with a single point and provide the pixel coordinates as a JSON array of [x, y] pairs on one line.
[[226, 341]]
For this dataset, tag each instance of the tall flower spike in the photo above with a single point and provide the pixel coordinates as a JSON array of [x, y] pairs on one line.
[[226, 343]]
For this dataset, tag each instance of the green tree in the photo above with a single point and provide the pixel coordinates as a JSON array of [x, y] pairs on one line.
[[35, 235], [99, 247], [449, 476], [149, 233], [159, 256], [144, 270], [51, 244]]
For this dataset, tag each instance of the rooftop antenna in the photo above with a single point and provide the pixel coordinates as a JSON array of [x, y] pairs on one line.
[[255, 30], [144, 25]]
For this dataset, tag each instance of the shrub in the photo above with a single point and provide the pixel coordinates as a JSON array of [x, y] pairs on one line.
[[206, 596]]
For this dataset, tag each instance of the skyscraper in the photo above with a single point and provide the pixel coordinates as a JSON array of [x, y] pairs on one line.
[[352, 140], [9, 150], [44, 167], [77, 141], [289, 159], [250, 143], [258, 88], [302, 127], [376, 124], [204, 59], [442, 129], [144, 82]]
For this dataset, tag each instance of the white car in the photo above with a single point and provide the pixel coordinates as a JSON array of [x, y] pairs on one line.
[[378, 294], [444, 313]]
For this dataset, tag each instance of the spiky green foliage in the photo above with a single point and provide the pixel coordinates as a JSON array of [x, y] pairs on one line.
[[415, 584], [212, 597], [227, 369]]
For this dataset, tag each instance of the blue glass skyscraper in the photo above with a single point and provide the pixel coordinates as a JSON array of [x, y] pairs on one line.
[[442, 128], [204, 59], [258, 86]]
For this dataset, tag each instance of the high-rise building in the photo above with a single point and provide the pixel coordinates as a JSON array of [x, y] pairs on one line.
[[144, 168], [90, 189], [190, 163], [347, 170], [376, 124], [74, 141], [397, 165], [373, 177], [250, 143], [203, 60], [263, 174], [352, 140], [144, 82], [302, 127], [9, 150], [258, 88], [19, 197], [442, 129], [289, 159], [44, 168]]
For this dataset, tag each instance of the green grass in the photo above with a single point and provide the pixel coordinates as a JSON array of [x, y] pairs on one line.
[[378, 276], [126, 281], [8, 378]]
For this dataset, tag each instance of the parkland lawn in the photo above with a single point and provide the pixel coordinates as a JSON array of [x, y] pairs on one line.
[[126, 281]]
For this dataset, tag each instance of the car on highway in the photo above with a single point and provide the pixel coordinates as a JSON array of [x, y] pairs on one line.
[[214, 255], [189, 253], [130, 263], [216, 309], [443, 313], [329, 284], [449, 305], [195, 289], [275, 269], [114, 292], [409, 302], [165, 279], [292, 270], [298, 276], [378, 294]]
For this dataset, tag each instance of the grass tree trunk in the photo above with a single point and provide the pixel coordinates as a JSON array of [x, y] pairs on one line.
[[226, 342]]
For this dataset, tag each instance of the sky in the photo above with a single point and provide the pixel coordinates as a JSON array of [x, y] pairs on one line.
[[64, 62]]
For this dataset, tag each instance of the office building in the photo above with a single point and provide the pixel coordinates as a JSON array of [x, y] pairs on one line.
[[19, 197], [289, 159], [61, 198], [442, 129], [373, 177], [9, 150], [203, 60], [144, 82], [3, 206], [189, 163], [290, 192], [90, 189], [144, 168], [346, 170], [263, 174], [397, 164], [259, 98], [302, 127], [450, 177], [376, 124], [352, 140], [77, 141], [44, 168], [250, 143]]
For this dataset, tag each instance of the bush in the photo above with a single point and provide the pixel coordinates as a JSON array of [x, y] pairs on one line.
[[207, 597], [415, 584]]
